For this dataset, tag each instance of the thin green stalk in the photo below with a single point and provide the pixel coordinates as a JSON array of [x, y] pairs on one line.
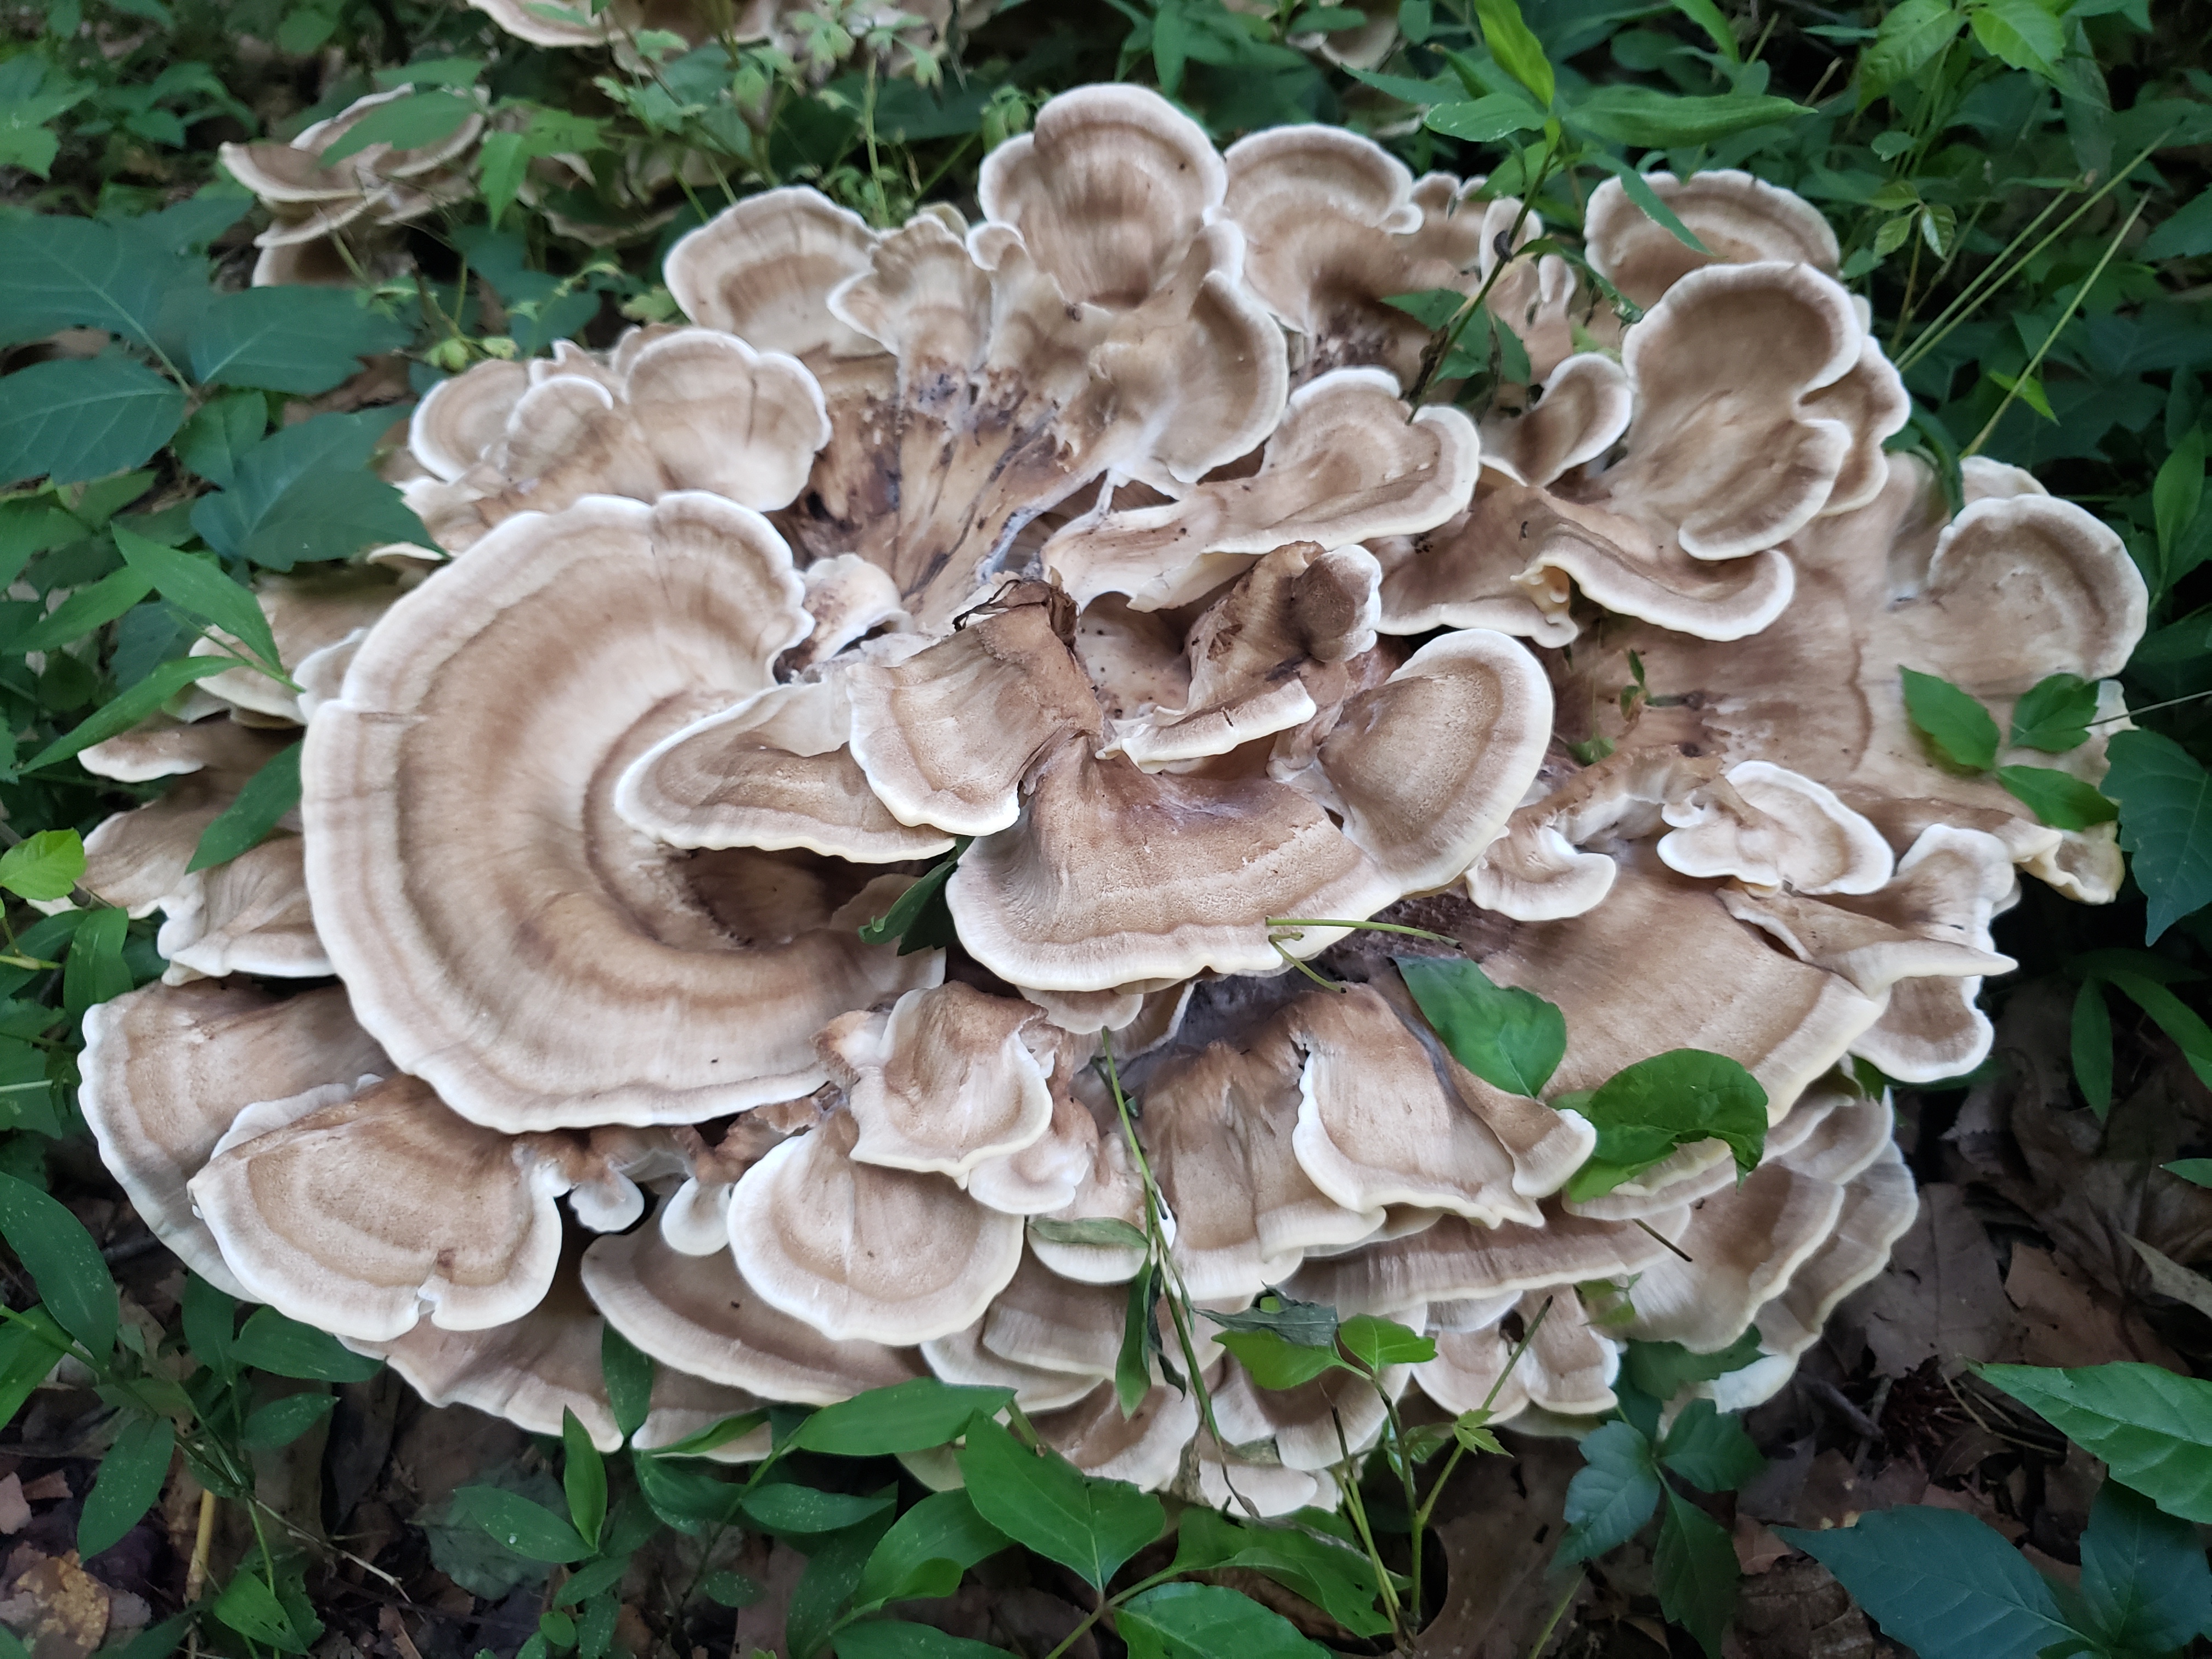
[[1433, 361], [2057, 329], [1997, 274], [2151, 708], [1356, 1509], [1459, 1449], [1544, 1636]]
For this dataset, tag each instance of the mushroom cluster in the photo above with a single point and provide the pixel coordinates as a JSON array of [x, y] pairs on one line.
[[1090, 551]]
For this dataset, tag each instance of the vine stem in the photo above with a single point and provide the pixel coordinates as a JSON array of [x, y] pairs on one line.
[[2057, 329], [202, 1542]]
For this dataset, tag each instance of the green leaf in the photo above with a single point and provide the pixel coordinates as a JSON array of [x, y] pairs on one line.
[[409, 123], [2178, 492], [1643, 1112], [1308, 1324], [832, 1569], [2187, 231], [76, 418], [1515, 47], [2143, 1578], [2166, 821], [303, 494], [944, 1527], [2058, 799], [1709, 1449], [1206, 1621], [45, 865], [1511, 1038], [919, 918], [786, 1506], [30, 1343], [528, 1529], [1379, 1342], [1911, 34], [53, 1245], [94, 972], [2152, 1428], [219, 432], [129, 1483], [1957, 724], [1276, 1363], [1333, 1575], [285, 1347], [903, 1417], [121, 712], [60, 272], [1694, 1569], [1090, 1230], [249, 1606], [1661, 1370], [583, 1479], [1133, 1362], [589, 1579], [1707, 16], [501, 162], [629, 1381], [198, 587], [1661, 120], [1483, 121], [431, 72], [281, 1422], [2022, 32], [1432, 308], [288, 338], [93, 606], [2092, 1046], [267, 796], [2175, 1018], [894, 1638], [1040, 1498], [2054, 713], [1639, 190], [1943, 1584], [2195, 1170], [689, 1499], [1613, 1494], [719, 1432]]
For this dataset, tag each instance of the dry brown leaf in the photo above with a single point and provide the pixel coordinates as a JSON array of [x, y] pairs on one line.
[[2169, 1278], [59, 1609], [1939, 1297], [2066, 1320]]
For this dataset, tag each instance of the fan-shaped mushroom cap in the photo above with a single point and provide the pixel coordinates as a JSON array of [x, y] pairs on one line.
[[2051, 590], [1376, 1125], [533, 1369], [1922, 941], [1240, 1486], [860, 1251], [1879, 1203], [307, 612], [1568, 1368], [445, 814], [1052, 1172], [1786, 1023], [848, 598], [1144, 1448], [460, 419], [1424, 810], [1724, 446], [1108, 190], [1537, 871], [942, 1081], [1348, 461], [1111, 1189], [696, 1314], [962, 1358], [1771, 829], [1585, 407], [355, 1215], [1218, 1128], [946, 736], [1267, 656], [166, 1069], [685, 410], [137, 860], [621, 20], [1078, 896], [1745, 1244], [764, 269], [1304, 1423], [774, 772], [1457, 1259], [1042, 1320], [1741, 219], [250, 915]]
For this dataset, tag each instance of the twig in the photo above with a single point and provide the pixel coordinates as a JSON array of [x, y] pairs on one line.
[[1662, 1238], [202, 1542]]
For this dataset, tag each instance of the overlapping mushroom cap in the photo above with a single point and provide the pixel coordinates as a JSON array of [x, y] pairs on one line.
[[1087, 567]]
